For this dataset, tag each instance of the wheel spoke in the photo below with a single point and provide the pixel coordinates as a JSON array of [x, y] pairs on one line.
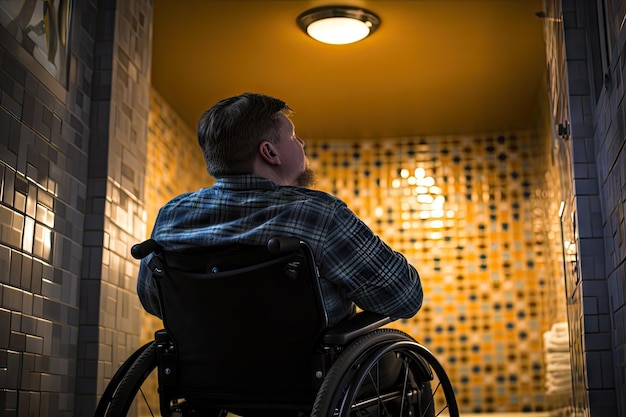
[[146, 402], [404, 386], [442, 410]]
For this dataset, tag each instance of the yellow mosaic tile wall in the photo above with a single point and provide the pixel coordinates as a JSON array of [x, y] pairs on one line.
[[474, 214]]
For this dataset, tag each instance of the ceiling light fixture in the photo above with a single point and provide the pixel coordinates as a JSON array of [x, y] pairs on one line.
[[338, 25]]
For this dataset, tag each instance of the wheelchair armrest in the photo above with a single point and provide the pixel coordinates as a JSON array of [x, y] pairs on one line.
[[348, 329]]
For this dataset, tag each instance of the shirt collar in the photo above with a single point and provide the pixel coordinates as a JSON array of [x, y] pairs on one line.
[[244, 182]]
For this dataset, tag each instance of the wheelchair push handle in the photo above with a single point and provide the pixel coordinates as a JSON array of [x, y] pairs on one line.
[[143, 249], [283, 244]]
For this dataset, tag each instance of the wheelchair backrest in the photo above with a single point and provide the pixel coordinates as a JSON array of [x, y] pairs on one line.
[[245, 322]]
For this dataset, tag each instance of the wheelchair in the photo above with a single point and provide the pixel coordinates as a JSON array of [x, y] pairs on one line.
[[246, 334]]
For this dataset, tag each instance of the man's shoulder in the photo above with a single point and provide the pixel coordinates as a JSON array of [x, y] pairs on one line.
[[188, 196], [217, 195], [317, 195], [185, 201]]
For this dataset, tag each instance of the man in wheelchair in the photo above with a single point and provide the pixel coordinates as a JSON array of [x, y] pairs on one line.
[[258, 279], [260, 168]]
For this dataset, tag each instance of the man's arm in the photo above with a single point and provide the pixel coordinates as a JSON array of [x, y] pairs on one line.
[[373, 276]]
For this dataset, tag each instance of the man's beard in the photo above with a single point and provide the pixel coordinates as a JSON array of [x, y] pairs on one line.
[[306, 178]]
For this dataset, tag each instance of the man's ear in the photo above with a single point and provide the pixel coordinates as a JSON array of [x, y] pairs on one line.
[[268, 153]]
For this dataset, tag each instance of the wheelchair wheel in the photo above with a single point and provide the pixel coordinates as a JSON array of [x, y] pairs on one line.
[[111, 388], [130, 385], [385, 373]]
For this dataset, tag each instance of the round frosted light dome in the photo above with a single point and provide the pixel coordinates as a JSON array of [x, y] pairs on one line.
[[338, 25], [339, 30]]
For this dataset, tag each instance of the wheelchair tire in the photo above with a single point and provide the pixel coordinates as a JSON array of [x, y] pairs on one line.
[[364, 380], [131, 382], [109, 391]]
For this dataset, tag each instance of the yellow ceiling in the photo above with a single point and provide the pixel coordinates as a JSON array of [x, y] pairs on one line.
[[434, 67]]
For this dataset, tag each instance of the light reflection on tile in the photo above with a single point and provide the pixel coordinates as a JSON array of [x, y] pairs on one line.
[[463, 211]]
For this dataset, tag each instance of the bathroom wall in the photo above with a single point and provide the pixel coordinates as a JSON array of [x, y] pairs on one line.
[[72, 151], [473, 213], [605, 149], [585, 42]]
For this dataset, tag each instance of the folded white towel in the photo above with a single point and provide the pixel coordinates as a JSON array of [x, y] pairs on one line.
[[557, 360]]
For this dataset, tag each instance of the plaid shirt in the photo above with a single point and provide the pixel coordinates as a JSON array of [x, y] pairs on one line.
[[355, 266]]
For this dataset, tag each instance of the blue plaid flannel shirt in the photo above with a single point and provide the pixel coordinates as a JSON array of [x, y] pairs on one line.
[[356, 267]]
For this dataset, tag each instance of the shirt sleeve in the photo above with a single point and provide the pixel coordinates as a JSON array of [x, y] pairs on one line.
[[374, 276]]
